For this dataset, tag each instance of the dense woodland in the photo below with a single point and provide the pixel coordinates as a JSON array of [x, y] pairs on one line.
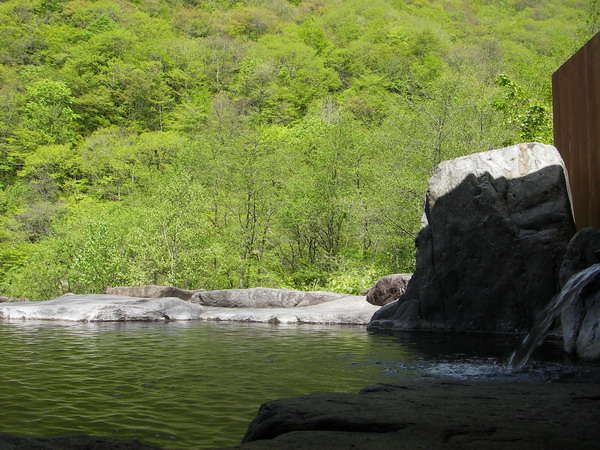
[[224, 144]]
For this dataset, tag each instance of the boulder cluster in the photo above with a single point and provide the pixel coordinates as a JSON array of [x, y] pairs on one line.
[[498, 243], [496, 228], [154, 303]]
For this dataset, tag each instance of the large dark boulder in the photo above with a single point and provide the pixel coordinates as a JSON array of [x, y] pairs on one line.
[[388, 289], [580, 319], [496, 228]]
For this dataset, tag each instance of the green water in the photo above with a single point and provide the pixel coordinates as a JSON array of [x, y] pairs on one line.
[[176, 385]]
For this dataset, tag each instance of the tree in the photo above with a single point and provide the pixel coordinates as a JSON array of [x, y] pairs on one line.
[[531, 118], [48, 115]]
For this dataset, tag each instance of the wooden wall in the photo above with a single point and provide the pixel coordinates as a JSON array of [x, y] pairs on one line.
[[576, 95]]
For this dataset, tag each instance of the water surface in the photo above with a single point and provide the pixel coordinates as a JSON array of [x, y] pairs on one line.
[[198, 384]]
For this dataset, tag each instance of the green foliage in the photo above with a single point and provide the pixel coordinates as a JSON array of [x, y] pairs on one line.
[[532, 119], [237, 143], [48, 116], [352, 280], [593, 17], [97, 261]]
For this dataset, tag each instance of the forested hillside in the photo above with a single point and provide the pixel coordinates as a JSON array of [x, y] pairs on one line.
[[221, 144]]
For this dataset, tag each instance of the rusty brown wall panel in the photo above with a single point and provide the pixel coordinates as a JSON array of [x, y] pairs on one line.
[[576, 96]]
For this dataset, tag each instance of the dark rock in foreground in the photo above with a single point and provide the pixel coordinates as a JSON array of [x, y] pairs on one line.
[[434, 415], [388, 289], [580, 320], [151, 291], [263, 298], [498, 224], [10, 442]]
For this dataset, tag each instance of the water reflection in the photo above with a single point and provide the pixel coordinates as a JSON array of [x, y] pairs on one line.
[[483, 357], [177, 385], [198, 384]]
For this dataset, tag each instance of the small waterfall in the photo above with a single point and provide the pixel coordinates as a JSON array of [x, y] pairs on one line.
[[569, 293]]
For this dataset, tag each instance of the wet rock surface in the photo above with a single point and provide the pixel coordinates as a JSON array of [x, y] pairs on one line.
[[498, 224], [582, 252], [100, 308], [83, 442], [388, 289], [434, 415], [151, 291], [580, 320], [581, 326], [263, 298]]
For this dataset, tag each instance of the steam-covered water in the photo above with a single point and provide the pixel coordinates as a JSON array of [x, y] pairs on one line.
[[198, 384], [569, 293]]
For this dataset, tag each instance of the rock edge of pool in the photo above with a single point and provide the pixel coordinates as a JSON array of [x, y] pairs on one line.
[[339, 310], [426, 414], [434, 415]]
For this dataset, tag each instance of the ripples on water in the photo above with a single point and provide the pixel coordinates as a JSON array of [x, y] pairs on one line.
[[198, 384]]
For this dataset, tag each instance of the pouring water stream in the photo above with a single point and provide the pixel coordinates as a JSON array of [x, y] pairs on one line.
[[569, 293]]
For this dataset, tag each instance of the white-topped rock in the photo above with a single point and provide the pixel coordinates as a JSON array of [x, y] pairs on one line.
[[102, 308], [510, 163], [496, 228]]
